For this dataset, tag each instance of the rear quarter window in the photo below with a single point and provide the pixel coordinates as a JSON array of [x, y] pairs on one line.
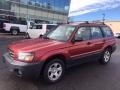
[[107, 31]]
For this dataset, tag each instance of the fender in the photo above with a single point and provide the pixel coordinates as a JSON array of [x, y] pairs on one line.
[[49, 54]]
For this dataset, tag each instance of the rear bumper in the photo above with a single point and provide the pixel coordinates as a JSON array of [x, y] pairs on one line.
[[22, 69]]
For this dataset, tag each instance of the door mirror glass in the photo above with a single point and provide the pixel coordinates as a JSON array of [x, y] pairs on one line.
[[78, 39]]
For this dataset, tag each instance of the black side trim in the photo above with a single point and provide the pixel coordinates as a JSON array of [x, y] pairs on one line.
[[84, 59]]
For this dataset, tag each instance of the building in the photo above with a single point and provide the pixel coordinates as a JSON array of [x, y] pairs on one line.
[[114, 25], [50, 11]]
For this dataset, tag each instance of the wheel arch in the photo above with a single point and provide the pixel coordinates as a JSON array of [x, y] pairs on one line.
[[57, 56], [15, 28], [108, 47]]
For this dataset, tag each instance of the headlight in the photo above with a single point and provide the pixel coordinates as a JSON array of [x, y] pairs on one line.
[[25, 56]]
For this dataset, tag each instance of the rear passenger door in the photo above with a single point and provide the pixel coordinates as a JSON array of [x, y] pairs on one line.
[[97, 39], [36, 31], [108, 36], [40, 29]]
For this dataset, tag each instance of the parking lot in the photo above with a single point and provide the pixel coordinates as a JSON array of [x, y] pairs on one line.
[[7, 35], [89, 76]]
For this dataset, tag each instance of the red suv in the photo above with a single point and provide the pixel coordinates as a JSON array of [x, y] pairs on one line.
[[61, 48]]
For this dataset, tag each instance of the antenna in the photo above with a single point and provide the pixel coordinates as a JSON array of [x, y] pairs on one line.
[[86, 22], [103, 17]]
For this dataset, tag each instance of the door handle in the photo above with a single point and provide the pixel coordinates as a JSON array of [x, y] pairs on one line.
[[88, 43], [104, 40]]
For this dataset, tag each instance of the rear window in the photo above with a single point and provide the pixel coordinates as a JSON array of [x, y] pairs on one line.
[[107, 31]]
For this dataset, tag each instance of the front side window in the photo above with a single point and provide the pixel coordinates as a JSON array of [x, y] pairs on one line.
[[96, 33], [61, 33], [107, 32], [83, 34]]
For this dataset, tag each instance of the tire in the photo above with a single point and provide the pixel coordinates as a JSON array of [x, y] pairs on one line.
[[27, 36], [14, 32], [40, 36], [106, 56], [53, 71]]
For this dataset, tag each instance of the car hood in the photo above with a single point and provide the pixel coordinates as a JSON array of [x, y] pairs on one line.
[[32, 45]]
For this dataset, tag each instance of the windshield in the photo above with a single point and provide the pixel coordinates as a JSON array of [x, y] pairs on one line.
[[61, 33]]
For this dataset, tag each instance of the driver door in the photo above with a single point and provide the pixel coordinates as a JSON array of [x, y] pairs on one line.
[[81, 48]]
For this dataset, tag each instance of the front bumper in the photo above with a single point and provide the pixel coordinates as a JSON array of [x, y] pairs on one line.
[[23, 69]]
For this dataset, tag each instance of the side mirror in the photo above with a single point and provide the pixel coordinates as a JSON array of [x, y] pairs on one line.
[[41, 36], [30, 27], [77, 39]]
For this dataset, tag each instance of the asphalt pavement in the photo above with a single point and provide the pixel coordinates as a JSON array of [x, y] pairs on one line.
[[89, 76]]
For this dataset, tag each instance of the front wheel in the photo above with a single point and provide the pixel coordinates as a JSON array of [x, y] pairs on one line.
[[106, 56], [53, 71]]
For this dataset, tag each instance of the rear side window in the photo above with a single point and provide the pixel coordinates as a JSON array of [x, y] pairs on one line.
[[96, 33], [107, 31], [37, 27]]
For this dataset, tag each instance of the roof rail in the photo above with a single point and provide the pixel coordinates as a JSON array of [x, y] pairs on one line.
[[99, 22], [87, 22]]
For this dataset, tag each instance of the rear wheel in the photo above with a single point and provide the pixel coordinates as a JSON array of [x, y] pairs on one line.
[[14, 32], [53, 71], [106, 56]]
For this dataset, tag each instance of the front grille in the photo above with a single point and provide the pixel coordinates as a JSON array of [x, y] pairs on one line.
[[11, 53]]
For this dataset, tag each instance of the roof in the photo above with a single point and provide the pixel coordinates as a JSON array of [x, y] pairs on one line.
[[87, 23], [45, 24]]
